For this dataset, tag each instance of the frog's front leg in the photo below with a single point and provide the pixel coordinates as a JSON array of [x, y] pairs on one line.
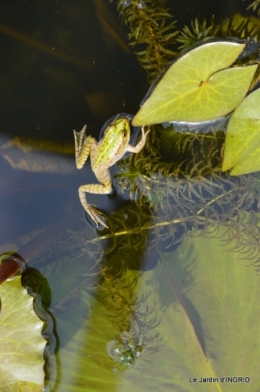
[[140, 145], [104, 188]]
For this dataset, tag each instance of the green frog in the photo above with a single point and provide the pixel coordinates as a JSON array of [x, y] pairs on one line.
[[103, 154]]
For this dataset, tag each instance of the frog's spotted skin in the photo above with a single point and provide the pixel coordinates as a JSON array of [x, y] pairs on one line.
[[103, 154]]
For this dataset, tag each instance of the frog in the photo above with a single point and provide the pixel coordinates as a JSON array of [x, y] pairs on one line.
[[103, 154]]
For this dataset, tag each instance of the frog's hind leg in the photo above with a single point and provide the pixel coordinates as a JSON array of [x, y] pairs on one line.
[[104, 188], [83, 146]]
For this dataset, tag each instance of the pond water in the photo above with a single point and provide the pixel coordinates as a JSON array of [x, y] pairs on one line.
[[164, 297]]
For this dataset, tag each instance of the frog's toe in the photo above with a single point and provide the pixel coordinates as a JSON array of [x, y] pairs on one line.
[[95, 217]]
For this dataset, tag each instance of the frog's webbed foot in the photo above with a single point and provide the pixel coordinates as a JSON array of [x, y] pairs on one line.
[[96, 216], [82, 146], [80, 138]]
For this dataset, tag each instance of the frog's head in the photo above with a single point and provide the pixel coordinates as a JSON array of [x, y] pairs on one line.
[[118, 131]]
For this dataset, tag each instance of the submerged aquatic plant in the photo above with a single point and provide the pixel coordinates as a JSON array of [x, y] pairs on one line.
[[197, 32], [254, 5], [181, 180], [134, 342], [237, 26], [150, 35]]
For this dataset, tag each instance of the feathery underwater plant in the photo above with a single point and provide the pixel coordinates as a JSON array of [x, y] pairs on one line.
[[150, 34], [254, 5]]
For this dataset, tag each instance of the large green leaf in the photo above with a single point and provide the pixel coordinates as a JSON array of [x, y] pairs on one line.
[[242, 145], [199, 86], [21, 342]]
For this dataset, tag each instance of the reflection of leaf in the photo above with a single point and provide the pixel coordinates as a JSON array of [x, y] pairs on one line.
[[85, 364], [22, 345], [213, 328], [21, 155], [207, 307], [199, 86], [242, 147]]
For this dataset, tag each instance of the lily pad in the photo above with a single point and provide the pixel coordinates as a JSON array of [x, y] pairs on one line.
[[242, 145], [21, 341], [199, 86]]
